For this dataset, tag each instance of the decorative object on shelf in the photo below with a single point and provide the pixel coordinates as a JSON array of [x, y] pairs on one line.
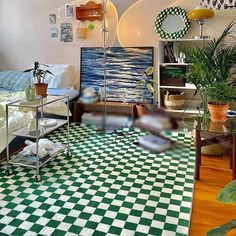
[[39, 76], [201, 14], [90, 11], [69, 11], [181, 58], [169, 56], [82, 31], [220, 94], [172, 23], [66, 32], [91, 26], [219, 4], [89, 96], [148, 90], [52, 19], [54, 32], [174, 99], [212, 64], [59, 14], [172, 76]]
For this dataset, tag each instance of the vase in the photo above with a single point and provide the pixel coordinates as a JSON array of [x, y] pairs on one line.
[[41, 89], [218, 113]]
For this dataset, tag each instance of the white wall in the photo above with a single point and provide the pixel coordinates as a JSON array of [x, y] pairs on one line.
[[25, 30]]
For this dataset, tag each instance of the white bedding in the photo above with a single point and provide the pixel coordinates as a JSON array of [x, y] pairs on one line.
[[18, 118]]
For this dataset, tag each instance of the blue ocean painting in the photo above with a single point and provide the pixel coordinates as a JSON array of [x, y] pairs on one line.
[[124, 67]]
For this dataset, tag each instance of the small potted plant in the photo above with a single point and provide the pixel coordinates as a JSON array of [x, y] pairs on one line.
[[39, 77], [220, 94], [142, 95]]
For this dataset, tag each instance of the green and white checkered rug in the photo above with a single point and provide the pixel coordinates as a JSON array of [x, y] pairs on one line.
[[109, 187]]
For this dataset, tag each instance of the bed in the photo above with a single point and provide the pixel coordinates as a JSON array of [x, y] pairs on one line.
[[12, 85]]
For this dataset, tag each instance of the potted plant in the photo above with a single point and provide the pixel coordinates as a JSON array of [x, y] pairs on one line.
[[39, 77], [214, 63], [219, 94], [147, 90]]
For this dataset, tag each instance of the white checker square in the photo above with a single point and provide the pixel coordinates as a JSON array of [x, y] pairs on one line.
[[8, 230], [46, 230]]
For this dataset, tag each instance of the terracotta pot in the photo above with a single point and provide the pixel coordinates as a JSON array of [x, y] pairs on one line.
[[141, 110], [41, 89], [218, 113]]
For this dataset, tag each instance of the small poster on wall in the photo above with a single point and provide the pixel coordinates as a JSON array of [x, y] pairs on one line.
[[69, 11], [66, 32], [54, 32], [52, 19], [219, 4]]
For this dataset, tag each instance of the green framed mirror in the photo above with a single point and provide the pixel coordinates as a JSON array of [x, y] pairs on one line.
[[172, 23]]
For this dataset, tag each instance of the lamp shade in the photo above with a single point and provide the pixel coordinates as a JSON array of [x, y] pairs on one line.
[[200, 13]]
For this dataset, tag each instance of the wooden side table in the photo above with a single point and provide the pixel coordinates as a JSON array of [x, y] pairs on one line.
[[208, 133], [112, 108]]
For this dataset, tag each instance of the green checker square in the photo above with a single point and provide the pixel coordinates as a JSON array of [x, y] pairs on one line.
[[84, 215], [183, 222], [11, 205], [185, 209], [120, 197], [161, 218], [79, 207], [75, 229], [2, 226], [59, 203], [154, 231], [170, 227], [141, 201], [36, 228], [19, 232], [58, 232], [107, 221], [53, 223], [8, 198], [121, 216], [127, 204], [91, 225], [99, 212], [68, 193], [136, 213], [114, 208], [173, 213], [13, 213], [150, 209], [107, 200], [44, 206], [73, 200], [64, 211], [145, 221], [115, 230], [48, 214], [87, 196], [15, 222], [93, 204], [69, 219], [130, 226]]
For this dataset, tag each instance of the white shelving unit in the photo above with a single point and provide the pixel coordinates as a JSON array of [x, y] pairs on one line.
[[191, 103]]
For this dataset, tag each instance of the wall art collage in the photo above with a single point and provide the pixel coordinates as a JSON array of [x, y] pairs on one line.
[[219, 4]]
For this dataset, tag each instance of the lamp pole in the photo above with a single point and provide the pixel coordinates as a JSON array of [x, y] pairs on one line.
[[104, 35]]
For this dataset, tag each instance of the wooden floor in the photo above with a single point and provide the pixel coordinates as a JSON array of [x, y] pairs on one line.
[[207, 212]]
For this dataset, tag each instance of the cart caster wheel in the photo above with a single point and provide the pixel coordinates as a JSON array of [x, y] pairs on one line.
[[69, 154], [38, 178], [8, 172]]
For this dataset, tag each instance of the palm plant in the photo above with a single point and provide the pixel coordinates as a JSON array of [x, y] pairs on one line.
[[216, 62]]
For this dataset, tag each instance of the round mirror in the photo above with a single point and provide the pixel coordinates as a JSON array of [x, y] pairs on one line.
[[172, 23]]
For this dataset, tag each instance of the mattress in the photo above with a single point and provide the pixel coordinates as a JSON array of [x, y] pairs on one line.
[[67, 91]]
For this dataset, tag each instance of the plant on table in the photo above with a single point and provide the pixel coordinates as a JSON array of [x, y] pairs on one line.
[[145, 89], [214, 63], [39, 77], [220, 95]]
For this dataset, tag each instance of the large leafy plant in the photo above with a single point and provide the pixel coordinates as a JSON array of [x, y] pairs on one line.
[[226, 195], [145, 82], [215, 62], [38, 73], [220, 93]]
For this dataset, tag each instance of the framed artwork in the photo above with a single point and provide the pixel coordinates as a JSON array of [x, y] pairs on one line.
[[66, 32], [124, 67], [219, 4], [69, 11], [52, 19], [54, 32]]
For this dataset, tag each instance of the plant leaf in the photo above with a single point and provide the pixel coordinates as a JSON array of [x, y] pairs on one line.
[[150, 88], [140, 82], [149, 70], [228, 193], [222, 230]]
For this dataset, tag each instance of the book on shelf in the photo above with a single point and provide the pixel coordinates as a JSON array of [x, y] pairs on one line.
[[169, 52]]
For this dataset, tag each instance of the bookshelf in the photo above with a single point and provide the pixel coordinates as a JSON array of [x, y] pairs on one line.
[[167, 61]]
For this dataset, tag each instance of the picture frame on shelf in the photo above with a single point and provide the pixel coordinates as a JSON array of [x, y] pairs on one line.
[[69, 11]]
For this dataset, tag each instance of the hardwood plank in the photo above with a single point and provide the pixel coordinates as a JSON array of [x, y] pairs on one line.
[[207, 212]]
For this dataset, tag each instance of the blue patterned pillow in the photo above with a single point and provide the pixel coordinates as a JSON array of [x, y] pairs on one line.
[[14, 80]]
